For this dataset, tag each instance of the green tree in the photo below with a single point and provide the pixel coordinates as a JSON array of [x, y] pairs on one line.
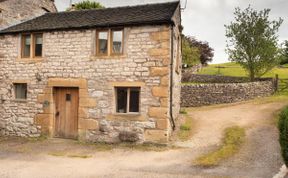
[[284, 57], [87, 4], [253, 41], [190, 54]]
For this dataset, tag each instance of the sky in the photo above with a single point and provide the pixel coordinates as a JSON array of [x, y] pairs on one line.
[[205, 19]]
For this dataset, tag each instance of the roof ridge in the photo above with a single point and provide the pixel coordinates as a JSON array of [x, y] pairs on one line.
[[117, 7]]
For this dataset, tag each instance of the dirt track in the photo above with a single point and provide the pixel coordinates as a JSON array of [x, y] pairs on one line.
[[258, 158]]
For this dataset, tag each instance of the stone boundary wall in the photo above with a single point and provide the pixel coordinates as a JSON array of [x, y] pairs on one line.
[[195, 95], [193, 70], [197, 78]]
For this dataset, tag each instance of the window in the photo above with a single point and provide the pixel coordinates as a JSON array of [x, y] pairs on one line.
[[26, 42], [20, 90], [127, 99], [109, 42], [38, 45], [117, 40], [103, 43], [32, 45]]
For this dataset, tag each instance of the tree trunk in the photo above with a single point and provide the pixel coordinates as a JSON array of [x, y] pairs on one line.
[[252, 75]]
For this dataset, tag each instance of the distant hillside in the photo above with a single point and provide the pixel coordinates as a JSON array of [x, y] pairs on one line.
[[233, 69]]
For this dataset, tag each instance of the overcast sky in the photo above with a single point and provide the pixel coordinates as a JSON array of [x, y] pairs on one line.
[[205, 19]]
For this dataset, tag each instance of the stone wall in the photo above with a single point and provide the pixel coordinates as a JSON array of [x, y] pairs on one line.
[[192, 70], [195, 95], [200, 78], [69, 60], [16, 11]]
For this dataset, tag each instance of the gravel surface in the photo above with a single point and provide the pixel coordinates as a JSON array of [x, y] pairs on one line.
[[259, 157]]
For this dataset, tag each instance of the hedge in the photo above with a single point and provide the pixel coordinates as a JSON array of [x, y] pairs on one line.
[[283, 136]]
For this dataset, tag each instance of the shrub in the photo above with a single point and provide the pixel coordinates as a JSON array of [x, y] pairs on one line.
[[283, 136]]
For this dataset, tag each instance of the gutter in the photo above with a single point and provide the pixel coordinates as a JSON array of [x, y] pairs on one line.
[[172, 122]]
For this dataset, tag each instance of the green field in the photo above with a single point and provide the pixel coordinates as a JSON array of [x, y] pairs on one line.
[[233, 69]]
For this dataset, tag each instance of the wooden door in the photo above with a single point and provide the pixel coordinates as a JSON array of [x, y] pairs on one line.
[[66, 112]]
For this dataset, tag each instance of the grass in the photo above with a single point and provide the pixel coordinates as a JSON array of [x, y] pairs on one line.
[[183, 111], [233, 69], [232, 141], [65, 154], [186, 130], [125, 145]]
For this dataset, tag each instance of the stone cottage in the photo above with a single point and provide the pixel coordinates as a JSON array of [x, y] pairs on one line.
[[105, 75], [16, 11]]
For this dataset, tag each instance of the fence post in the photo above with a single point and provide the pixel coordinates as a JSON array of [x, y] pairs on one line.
[[276, 82]]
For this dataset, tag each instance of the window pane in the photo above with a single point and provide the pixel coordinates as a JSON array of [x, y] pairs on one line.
[[38, 45], [103, 42], [134, 100], [26, 45], [20, 90], [121, 100], [117, 41]]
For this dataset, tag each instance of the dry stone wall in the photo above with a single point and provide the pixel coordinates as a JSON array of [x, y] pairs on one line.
[[201, 78], [195, 95]]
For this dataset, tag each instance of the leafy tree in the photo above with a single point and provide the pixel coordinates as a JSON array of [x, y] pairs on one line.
[[195, 51], [206, 52], [284, 56], [252, 41], [87, 4], [190, 54]]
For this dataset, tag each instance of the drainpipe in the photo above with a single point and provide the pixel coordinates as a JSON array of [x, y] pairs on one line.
[[172, 122]]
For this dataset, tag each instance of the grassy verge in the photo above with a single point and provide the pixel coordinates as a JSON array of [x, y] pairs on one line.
[[186, 130], [233, 139], [64, 154], [129, 146]]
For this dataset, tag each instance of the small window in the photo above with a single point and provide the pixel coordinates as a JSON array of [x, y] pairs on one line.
[[26, 45], [38, 40], [68, 97], [20, 90], [102, 43], [117, 40], [127, 100]]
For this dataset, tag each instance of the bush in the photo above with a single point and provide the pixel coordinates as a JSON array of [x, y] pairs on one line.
[[283, 136]]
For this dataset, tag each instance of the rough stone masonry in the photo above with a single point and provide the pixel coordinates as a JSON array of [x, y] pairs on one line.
[[16, 11], [69, 61]]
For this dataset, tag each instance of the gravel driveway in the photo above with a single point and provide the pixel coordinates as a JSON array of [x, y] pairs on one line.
[[258, 158]]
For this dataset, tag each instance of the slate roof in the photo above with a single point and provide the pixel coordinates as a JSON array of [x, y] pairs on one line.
[[161, 13]]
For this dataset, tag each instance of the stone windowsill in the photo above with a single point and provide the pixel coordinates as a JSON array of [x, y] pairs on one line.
[[20, 100], [126, 117], [112, 57], [131, 114], [30, 60]]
